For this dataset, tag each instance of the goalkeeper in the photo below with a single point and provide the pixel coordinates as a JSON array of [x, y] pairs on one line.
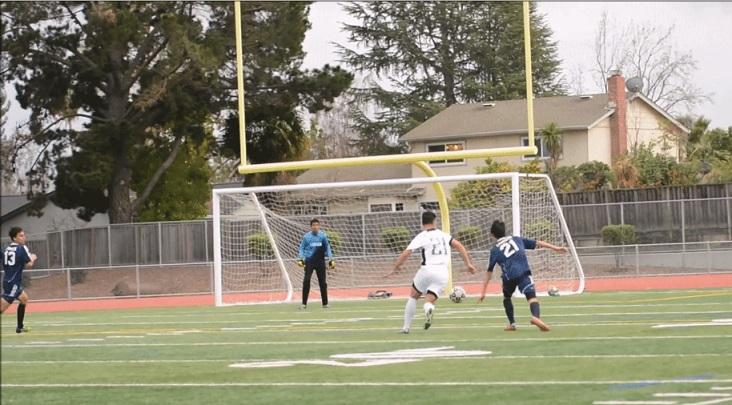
[[314, 249]]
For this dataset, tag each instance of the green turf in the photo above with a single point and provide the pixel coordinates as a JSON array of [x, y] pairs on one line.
[[595, 338]]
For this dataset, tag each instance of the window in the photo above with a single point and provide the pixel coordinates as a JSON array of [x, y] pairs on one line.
[[543, 153], [380, 207], [308, 208], [449, 147], [386, 207], [430, 205]]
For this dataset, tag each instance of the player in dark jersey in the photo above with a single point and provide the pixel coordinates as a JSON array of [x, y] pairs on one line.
[[510, 253], [16, 257]]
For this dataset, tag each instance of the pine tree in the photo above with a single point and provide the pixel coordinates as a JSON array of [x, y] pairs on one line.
[[435, 54]]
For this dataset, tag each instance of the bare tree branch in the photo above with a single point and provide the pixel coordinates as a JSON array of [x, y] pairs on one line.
[[157, 175]]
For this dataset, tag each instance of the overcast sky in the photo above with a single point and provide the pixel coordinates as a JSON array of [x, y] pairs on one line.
[[705, 29]]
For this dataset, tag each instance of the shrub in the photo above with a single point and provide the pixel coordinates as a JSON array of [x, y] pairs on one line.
[[566, 179], [618, 234], [470, 236], [335, 240], [595, 175], [259, 246], [396, 238], [541, 228]]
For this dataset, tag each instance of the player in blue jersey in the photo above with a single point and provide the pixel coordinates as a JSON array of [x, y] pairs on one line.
[[16, 257], [314, 249], [510, 253]]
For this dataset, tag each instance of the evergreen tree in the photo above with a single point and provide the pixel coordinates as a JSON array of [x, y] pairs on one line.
[[435, 54]]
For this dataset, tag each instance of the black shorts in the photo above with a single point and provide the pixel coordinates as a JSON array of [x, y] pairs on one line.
[[525, 285], [11, 291]]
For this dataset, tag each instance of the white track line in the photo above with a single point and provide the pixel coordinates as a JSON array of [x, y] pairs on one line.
[[362, 384], [508, 357], [332, 342]]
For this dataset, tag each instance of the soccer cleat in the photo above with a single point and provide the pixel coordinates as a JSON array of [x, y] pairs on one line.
[[326, 306], [539, 324], [404, 332], [303, 306], [24, 329], [510, 328], [428, 318]]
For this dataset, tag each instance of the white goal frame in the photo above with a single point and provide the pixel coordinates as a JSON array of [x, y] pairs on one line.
[[515, 208]]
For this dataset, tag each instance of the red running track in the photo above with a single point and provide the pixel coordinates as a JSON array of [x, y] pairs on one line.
[[643, 283]]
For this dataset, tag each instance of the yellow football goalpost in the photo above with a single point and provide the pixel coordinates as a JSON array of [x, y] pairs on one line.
[[418, 159]]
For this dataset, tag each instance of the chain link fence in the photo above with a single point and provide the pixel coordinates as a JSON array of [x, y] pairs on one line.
[[175, 258]]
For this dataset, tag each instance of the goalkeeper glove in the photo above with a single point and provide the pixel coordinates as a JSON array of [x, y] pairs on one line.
[[301, 262], [331, 264]]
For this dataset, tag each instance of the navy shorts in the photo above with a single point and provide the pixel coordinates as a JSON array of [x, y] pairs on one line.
[[11, 291], [525, 285]]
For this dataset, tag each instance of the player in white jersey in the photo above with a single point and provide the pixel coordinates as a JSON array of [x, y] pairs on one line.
[[432, 277]]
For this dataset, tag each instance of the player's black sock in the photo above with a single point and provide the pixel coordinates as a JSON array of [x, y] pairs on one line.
[[21, 315], [508, 305], [534, 306]]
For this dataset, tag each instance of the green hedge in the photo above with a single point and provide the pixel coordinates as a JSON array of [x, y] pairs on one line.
[[396, 238], [470, 236], [619, 234], [259, 246]]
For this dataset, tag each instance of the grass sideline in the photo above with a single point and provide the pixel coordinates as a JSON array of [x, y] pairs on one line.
[[603, 347]]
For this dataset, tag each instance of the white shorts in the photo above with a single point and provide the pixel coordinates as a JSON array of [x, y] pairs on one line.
[[431, 279]]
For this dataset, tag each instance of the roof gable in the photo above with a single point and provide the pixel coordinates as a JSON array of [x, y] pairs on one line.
[[509, 116]]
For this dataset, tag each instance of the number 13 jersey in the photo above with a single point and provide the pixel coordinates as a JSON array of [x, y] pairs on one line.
[[510, 253], [435, 247]]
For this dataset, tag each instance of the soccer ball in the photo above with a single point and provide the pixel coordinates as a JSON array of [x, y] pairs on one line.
[[553, 291], [457, 295]]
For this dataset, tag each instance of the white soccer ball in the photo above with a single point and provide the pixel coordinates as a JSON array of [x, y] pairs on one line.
[[457, 295], [553, 291]]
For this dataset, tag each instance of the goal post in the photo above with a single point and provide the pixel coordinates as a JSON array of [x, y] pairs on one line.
[[257, 233]]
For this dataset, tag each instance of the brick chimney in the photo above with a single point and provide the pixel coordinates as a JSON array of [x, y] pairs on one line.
[[618, 121]]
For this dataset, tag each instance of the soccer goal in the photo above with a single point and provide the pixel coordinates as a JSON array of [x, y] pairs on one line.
[[258, 230]]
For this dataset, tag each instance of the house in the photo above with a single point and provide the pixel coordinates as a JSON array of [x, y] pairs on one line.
[[352, 200], [598, 127], [15, 212]]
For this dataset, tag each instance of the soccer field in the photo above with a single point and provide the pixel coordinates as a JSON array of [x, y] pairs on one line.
[[657, 347]]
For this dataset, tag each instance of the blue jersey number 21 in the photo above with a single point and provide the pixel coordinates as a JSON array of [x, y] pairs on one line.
[[508, 247]]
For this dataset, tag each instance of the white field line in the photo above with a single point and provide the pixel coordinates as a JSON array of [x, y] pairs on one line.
[[315, 328], [335, 330], [333, 342], [721, 388], [634, 402], [507, 357], [360, 384], [449, 306], [348, 320], [692, 395], [711, 401]]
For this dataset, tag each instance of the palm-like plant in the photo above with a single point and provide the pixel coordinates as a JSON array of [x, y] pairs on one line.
[[552, 136]]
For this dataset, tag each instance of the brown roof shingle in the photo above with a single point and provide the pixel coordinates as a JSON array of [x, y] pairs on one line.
[[507, 117], [355, 173]]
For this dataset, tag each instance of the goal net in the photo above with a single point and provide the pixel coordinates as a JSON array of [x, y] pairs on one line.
[[258, 230]]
